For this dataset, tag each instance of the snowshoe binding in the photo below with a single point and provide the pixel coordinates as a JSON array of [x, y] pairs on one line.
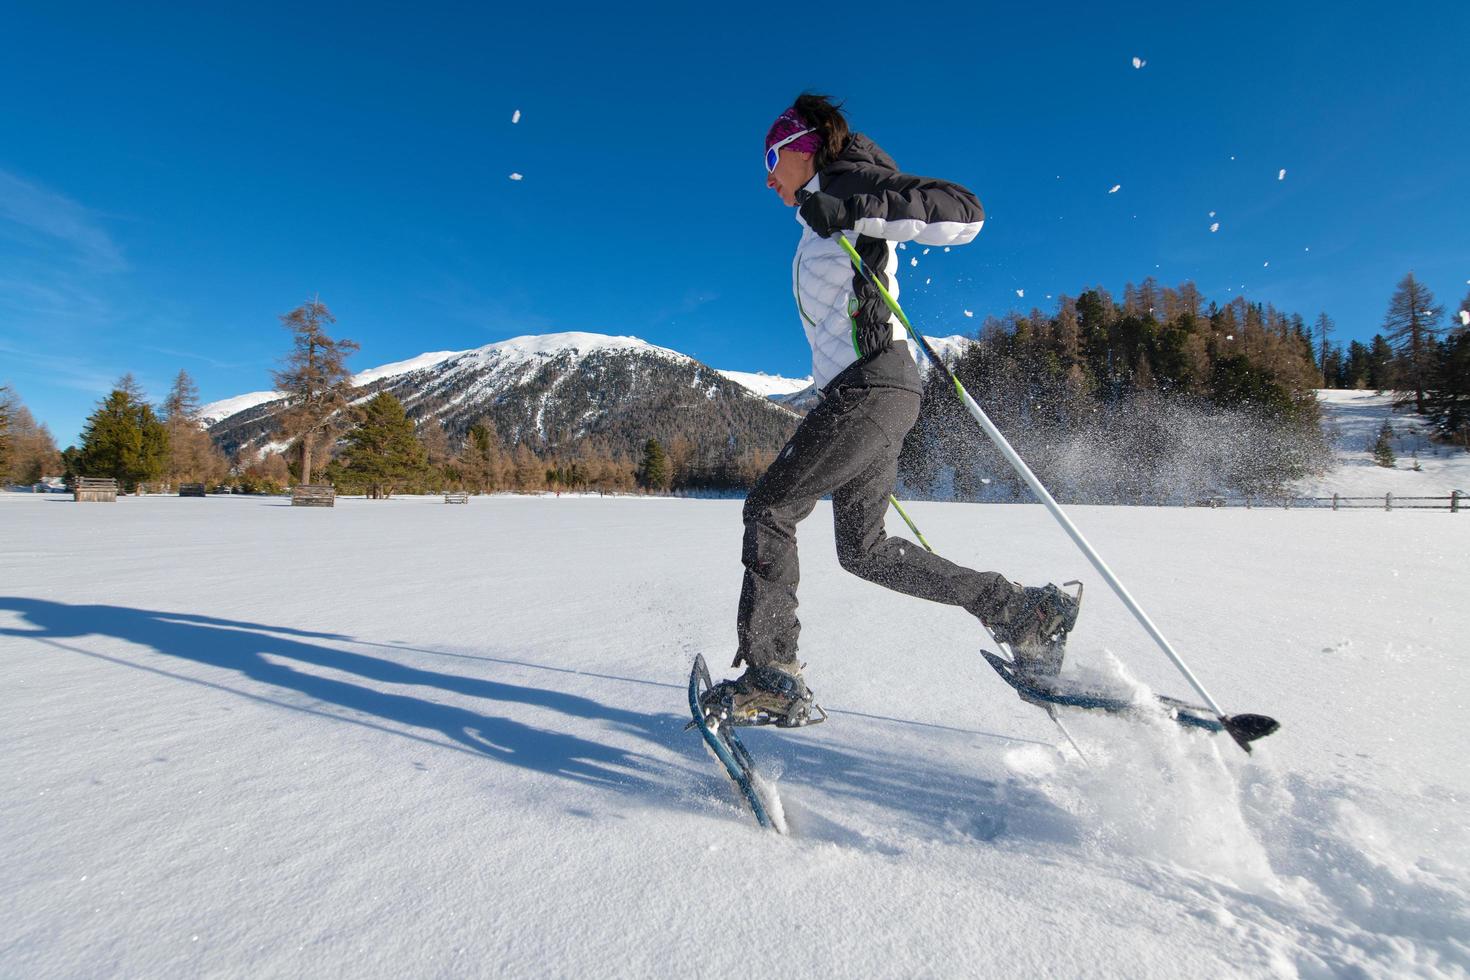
[[770, 694], [1034, 625]]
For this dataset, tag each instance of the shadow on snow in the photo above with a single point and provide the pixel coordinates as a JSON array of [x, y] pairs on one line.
[[948, 803]]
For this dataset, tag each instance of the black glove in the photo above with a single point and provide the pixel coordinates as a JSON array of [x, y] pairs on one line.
[[823, 213]]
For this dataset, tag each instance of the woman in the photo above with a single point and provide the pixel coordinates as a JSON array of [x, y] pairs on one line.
[[849, 443]]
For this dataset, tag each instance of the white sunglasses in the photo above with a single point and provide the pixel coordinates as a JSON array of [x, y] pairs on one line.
[[773, 153]]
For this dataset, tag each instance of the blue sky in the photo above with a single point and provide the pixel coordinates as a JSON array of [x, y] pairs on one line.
[[172, 177]]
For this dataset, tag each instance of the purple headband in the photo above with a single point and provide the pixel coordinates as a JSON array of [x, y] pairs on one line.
[[786, 124]]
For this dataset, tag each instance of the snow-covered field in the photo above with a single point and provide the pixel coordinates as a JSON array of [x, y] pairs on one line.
[[1352, 420], [397, 738]]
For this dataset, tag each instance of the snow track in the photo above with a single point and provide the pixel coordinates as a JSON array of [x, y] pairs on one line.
[[399, 738]]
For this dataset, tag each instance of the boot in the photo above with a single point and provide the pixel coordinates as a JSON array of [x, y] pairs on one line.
[[771, 694], [1034, 623]]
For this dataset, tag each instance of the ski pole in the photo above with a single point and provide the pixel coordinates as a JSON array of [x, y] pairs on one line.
[[1051, 711], [1019, 465], [912, 526]]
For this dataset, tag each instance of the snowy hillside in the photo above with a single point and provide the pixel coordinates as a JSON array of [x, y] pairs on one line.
[[396, 738], [767, 385], [555, 390], [1351, 421]]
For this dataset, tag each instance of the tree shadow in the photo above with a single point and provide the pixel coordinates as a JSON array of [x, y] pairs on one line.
[[950, 802], [257, 652]]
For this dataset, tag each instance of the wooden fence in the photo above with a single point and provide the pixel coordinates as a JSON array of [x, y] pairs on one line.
[[1388, 501]]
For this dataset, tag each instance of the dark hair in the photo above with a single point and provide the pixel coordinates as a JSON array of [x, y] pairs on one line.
[[827, 119]]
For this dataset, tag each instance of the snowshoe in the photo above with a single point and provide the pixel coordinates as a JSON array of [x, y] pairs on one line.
[[772, 694]]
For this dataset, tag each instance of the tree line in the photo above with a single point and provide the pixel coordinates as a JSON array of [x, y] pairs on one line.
[[1415, 355], [1157, 396]]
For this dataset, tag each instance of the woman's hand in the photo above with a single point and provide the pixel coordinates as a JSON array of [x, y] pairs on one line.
[[823, 213]]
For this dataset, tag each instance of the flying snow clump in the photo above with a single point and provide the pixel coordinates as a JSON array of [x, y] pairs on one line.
[[1139, 62], [914, 262], [1212, 214], [1116, 188], [1215, 227], [1281, 174], [515, 117], [516, 177], [1021, 293], [969, 313], [1465, 317]]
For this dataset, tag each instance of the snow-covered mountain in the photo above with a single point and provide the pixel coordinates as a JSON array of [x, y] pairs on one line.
[[555, 391]]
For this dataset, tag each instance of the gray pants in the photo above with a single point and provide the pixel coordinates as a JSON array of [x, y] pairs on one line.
[[847, 446]]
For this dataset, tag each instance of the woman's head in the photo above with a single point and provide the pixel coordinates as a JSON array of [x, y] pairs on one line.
[[802, 141]]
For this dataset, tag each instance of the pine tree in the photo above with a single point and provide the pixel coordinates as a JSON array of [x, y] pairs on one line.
[[123, 438], [482, 463], [655, 473], [1380, 363], [193, 456], [1324, 330], [314, 377], [1412, 324], [382, 451], [182, 402], [1383, 448], [1354, 372], [7, 412]]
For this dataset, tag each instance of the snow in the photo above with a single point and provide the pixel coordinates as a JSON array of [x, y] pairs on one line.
[[506, 355], [1352, 420], [1465, 318], [766, 385], [1139, 62], [515, 117], [1281, 175], [914, 262], [516, 177], [969, 313], [225, 407], [396, 368], [1115, 188], [398, 738], [949, 349], [1021, 293], [1215, 227]]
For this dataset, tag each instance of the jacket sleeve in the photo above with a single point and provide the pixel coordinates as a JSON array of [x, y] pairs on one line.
[[905, 208]]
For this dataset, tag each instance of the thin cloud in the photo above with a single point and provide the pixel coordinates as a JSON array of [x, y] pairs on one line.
[[29, 209], [76, 373]]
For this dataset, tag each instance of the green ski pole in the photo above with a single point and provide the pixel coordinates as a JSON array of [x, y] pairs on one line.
[[1024, 471]]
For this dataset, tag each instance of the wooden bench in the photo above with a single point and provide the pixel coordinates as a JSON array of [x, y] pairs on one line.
[[313, 495], [95, 490], [191, 490], [456, 498]]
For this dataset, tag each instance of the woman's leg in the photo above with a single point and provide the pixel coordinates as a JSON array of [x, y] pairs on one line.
[[832, 446], [864, 547]]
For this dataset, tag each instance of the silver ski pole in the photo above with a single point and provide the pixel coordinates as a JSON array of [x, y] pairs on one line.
[[1019, 465]]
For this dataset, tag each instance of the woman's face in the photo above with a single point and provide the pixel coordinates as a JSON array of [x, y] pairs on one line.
[[793, 169]]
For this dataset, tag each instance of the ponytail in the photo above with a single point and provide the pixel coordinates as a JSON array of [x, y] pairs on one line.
[[827, 119]]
